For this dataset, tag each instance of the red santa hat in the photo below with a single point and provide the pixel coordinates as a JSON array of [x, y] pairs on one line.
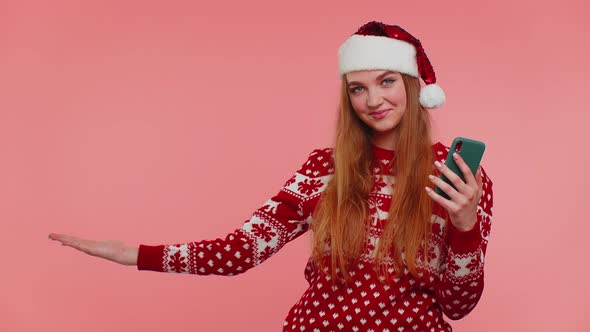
[[389, 47]]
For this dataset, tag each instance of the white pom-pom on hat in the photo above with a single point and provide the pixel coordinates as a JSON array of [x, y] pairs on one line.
[[432, 96]]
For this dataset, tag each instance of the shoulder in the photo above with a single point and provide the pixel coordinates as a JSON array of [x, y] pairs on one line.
[[320, 162], [440, 151]]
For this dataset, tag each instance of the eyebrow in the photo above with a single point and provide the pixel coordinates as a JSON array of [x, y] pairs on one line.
[[378, 77]]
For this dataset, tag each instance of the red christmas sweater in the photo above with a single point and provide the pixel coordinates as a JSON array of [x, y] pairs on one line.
[[451, 281]]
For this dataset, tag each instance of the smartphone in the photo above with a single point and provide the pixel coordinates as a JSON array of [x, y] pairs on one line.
[[471, 151]]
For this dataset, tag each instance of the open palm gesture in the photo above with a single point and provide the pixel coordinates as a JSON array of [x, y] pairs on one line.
[[112, 250]]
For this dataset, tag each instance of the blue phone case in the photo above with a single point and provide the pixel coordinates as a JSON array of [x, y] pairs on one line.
[[471, 151]]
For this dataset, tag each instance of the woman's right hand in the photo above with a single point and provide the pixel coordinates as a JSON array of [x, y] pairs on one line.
[[111, 250]]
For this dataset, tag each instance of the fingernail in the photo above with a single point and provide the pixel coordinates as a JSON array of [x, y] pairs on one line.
[[437, 164], [455, 155]]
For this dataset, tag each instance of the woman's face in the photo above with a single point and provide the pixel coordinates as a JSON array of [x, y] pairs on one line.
[[372, 91]]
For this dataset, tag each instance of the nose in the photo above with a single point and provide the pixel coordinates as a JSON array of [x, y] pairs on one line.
[[374, 99]]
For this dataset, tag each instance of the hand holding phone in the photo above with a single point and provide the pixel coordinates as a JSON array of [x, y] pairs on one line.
[[471, 151]]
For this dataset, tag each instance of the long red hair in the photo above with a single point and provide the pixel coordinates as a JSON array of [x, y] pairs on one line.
[[340, 224]]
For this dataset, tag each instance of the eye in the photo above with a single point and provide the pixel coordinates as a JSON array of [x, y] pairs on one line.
[[354, 90]]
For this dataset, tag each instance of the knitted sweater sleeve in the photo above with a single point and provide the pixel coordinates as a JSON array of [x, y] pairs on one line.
[[283, 218], [461, 275]]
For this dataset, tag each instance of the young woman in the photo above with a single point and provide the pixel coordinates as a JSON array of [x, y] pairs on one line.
[[389, 254]]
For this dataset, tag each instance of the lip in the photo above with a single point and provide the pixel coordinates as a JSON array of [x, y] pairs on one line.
[[379, 112], [378, 115]]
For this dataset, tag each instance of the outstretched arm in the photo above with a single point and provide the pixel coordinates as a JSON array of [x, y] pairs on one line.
[[280, 220]]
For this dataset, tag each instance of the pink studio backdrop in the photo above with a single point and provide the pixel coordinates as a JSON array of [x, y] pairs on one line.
[[172, 122]]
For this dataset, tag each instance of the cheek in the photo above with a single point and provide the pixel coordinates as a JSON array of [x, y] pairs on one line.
[[357, 105], [398, 96]]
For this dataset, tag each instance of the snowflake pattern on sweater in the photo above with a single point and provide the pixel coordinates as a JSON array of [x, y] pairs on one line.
[[451, 281]]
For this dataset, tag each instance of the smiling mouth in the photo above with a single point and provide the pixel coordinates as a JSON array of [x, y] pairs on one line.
[[379, 115], [379, 112]]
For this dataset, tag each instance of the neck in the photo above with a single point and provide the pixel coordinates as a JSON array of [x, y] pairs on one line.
[[388, 143]]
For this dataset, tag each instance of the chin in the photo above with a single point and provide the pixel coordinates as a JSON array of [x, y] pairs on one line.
[[383, 127]]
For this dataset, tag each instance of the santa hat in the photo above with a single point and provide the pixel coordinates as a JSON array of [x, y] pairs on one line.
[[389, 47]]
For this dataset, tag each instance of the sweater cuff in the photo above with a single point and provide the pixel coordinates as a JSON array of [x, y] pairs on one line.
[[465, 241], [150, 257]]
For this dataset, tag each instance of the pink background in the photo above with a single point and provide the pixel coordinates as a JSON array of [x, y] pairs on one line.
[[172, 122]]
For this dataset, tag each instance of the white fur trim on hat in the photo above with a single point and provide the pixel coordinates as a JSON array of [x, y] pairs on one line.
[[360, 52], [432, 96]]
